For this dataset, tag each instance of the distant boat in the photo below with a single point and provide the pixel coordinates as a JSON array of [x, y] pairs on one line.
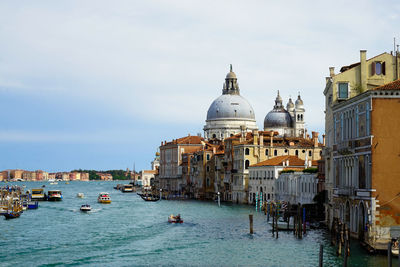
[[38, 194], [33, 205], [54, 195], [86, 208], [147, 197], [175, 219], [12, 214], [53, 183], [80, 195], [104, 198], [127, 188]]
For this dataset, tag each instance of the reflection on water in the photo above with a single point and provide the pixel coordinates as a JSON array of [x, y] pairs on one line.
[[130, 231]]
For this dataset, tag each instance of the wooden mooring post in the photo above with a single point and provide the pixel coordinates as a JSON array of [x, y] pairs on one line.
[[389, 254], [345, 255], [321, 255], [251, 223]]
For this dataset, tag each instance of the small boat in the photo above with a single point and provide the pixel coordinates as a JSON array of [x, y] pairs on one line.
[[53, 183], [127, 188], [66, 182], [44, 185], [33, 205], [12, 214], [80, 195], [86, 208], [147, 197], [175, 219], [104, 198], [395, 248], [38, 194], [54, 195]]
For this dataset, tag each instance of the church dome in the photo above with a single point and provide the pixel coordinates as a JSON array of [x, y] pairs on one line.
[[230, 107], [278, 118], [231, 75]]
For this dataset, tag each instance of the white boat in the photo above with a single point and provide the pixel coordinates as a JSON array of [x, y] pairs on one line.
[[104, 198], [54, 195], [38, 194], [86, 208], [53, 183], [80, 195]]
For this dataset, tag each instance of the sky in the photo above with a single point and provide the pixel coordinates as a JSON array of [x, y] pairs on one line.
[[100, 84]]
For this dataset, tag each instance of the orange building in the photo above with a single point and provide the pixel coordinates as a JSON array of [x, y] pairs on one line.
[[366, 169]]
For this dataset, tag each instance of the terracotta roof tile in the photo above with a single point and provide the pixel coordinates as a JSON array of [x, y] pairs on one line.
[[395, 85], [277, 161]]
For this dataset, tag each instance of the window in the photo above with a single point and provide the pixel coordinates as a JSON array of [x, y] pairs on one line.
[[378, 68], [275, 152], [266, 152], [246, 164], [297, 153], [343, 90], [309, 153], [208, 168], [247, 151], [208, 156]]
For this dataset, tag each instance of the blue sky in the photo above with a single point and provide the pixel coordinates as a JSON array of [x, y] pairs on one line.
[[99, 84]]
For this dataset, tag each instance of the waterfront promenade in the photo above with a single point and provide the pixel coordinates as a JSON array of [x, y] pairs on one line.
[[131, 232]]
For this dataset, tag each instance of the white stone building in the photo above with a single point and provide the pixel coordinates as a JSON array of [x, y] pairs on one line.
[[296, 188], [263, 175]]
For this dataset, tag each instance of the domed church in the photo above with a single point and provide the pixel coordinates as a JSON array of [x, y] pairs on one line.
[[230, 113], [287, 122]]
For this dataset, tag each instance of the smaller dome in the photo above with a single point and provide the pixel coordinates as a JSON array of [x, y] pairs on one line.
[[278, 118], [299, 102], [231, 75], [157, 153]]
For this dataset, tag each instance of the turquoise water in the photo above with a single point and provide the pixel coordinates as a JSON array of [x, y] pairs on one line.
[[130, 231]]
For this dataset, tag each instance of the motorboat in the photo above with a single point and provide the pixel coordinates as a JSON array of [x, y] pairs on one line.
[[38, 194], [175, 219], [80, 195], [54, 195], [33, 205], [86, 208], [53, 183], [12, 214], [104, 198], [127, 188]]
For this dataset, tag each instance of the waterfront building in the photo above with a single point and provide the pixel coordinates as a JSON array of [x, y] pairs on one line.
[[52, 176], [246, 149], [147, 177], [170, 177], [16, 174], [263, 176], [105, 176], [84, 176], [296, 187], [361, 121], [289, 121], [230, 112], [3, 175], [365, 164]]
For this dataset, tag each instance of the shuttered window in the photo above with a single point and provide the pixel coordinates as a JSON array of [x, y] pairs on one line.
[[343, 90]]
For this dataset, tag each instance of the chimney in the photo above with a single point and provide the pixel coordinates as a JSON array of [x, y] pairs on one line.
[[255, 137], [327, 79], [315, 138], [363, 72], [323, 140], [272, 138], [332, 71]]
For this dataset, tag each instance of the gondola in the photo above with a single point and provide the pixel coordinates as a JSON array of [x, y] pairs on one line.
[[146, 197]]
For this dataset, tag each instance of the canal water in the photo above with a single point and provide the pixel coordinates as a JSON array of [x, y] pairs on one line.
[[130, 231]]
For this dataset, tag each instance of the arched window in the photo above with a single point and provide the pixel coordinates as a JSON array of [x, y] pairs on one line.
[[309, 153], [214, 136], [297, 152], [246, 164], [275, 152], [247, 151], [266, 152]]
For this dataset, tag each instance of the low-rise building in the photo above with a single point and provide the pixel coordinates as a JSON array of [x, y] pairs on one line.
[[263, 175], [147, 177], [296, 187]]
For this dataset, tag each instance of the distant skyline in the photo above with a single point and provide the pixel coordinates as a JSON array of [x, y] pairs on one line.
[[99, 84]]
